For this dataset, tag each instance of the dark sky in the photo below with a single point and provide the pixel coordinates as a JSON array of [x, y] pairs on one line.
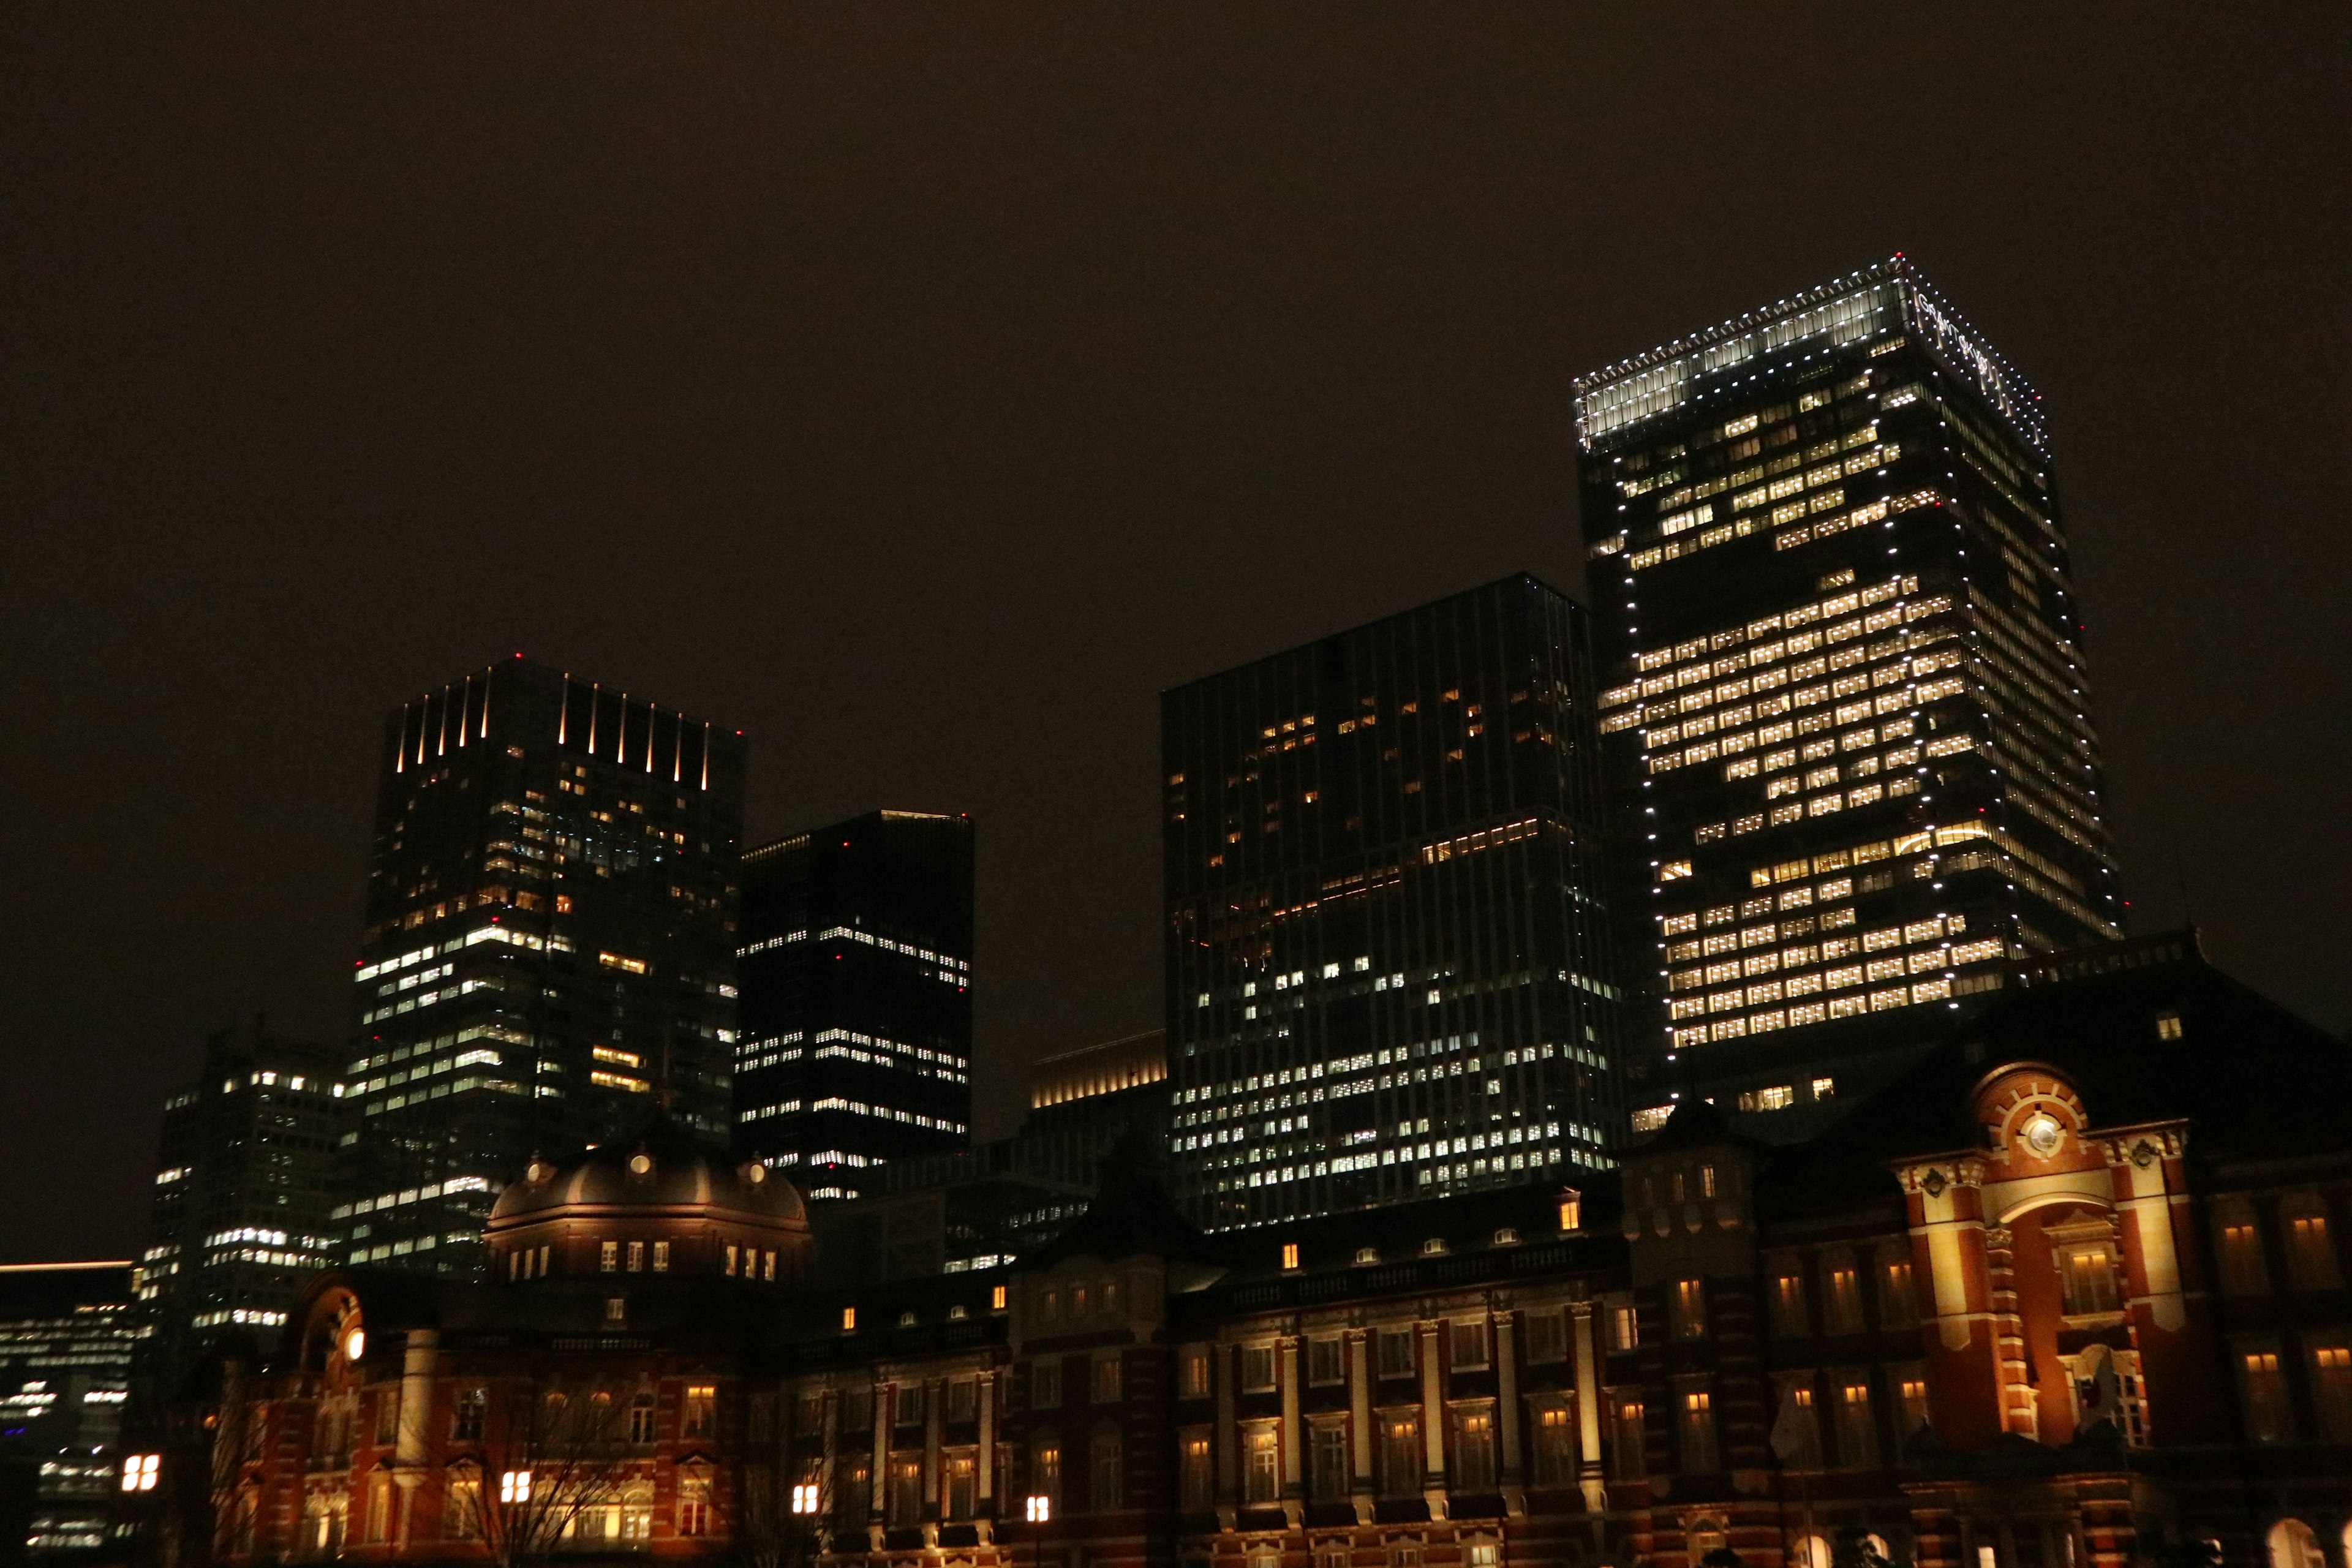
[[923, 388]]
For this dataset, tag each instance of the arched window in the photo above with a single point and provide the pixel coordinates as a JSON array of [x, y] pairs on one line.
[[1810, 1551], [2292, 1545]]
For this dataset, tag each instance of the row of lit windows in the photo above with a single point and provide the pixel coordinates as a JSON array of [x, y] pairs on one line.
[[1776, 1097], [1822, 501], [1745, 424], [378, 1253], [424, 1070], [1860, 517], [886, 1113], [1754, 672], [1845, 714], [1426, 1176], [1748, 965], [429, 1191], [1827, 608], [1943, 958], [1802, 1014]]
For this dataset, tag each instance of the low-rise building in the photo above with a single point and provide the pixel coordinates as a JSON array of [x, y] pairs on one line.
[[2069, 1291]]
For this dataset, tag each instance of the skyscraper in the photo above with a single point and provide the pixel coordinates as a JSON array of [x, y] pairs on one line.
[[1388, 967], [856, 964], [549, 952], [1845, 687], [69, 1332], [244, 1188]]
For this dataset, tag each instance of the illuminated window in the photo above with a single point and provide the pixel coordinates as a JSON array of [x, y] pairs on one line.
[[1199, 1476], [1262, 1475], [1697, 1413], [2242, 1272], [2331, 1390], [1899, 1308], [1857, 1432], [1790, 1318], [2311, 1258], [1628, 1437], [1690, 1309], [2267, 1417]]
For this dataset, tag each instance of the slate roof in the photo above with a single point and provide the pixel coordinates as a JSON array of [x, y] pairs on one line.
[[2253, 1080]]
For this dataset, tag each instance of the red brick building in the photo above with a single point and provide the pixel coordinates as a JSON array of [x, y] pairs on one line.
[[2070, 1292]]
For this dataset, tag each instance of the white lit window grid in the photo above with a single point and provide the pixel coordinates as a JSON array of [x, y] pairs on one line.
[[1856, 671], [427, 1069], [451, 1187], [886, 1113], [954, 970], [1746, 973], [1825, 501]]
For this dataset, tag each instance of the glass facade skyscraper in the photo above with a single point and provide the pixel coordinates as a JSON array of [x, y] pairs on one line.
[[1387, 955], [856, 960], [245, 1188], [1845, 697], [548, 954]]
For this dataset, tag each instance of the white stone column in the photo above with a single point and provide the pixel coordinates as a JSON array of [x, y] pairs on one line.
[[1507, 1413], [1360, 1421], [1433, 1418]]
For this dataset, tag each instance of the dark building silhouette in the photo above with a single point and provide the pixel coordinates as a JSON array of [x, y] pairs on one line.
[[959, 1210], [856, 964], [1387, 953], [245, 1190], [549, 953], [1846, 703]]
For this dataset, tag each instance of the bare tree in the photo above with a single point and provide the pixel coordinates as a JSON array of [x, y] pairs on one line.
[[566, 1463], [784, 1482]]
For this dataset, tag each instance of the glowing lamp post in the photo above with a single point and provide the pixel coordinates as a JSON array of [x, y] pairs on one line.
[[805, 1497], [1041, 1509], [139, 1471]]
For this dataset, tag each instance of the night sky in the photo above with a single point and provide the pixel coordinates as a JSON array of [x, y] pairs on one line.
[[923, 388]]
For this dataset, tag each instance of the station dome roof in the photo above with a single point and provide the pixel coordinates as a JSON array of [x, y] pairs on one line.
[[664, 1168]]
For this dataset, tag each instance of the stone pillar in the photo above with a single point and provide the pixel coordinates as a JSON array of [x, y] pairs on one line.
[[1228, 1440], [878, 1492], [420, 1361], [2020, 1410], [1360, 1422], [1958, 1328], [1507, 1413], [934, 1497], [828, 1438], [1294, 1476], [2166, 1291], [1432, 1419], [1590, 1477], [985, 1482]]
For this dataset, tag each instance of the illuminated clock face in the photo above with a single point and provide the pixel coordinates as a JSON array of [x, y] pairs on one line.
[[2043, 1134]]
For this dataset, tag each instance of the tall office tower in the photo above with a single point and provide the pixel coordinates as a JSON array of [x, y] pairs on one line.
[[1387, 953], [244, 1189], [67, 1334], [856, 964], [548, 954], [1845, 694]]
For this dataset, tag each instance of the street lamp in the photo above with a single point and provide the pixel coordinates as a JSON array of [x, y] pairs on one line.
[[1041, 1509], [139, 1471], [805, 1497]]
